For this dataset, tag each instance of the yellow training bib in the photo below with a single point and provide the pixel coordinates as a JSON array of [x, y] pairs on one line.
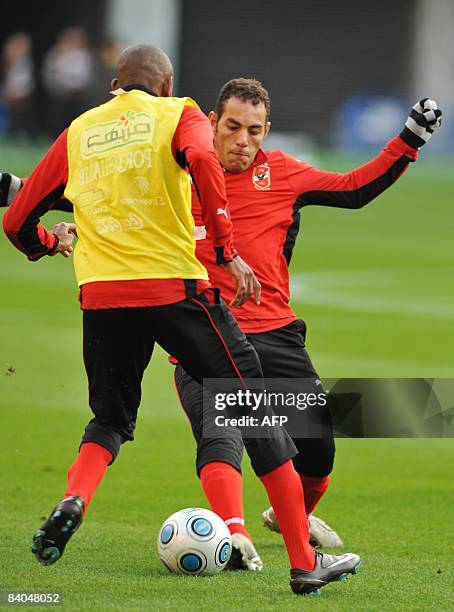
[[132, 201]]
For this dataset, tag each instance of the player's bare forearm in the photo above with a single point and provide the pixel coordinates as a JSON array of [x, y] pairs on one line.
[[245, 281]]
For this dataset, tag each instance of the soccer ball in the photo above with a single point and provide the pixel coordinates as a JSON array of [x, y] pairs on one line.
[[194, 541]]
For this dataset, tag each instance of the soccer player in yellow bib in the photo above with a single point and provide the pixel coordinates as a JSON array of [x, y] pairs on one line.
[[123, 165]]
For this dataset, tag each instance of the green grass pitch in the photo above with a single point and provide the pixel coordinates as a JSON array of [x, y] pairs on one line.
[[377, 292]]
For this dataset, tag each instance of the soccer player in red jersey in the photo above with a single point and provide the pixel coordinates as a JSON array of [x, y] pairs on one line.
[[267, 191]]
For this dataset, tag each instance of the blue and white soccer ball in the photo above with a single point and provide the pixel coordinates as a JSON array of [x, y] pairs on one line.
[[194, 541]]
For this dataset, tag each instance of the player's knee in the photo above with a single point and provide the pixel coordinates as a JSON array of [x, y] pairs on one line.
[[105, 436], [316, 459], [224, 450]]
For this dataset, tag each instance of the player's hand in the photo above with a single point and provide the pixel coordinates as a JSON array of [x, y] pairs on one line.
[[9, 187], [424, 118], [245, 281], [65, 233]]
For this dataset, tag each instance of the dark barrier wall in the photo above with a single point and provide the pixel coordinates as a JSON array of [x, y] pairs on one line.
[[310, 55]]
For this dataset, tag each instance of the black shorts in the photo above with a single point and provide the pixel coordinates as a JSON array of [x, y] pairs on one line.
[[282, 354], [199, 331]]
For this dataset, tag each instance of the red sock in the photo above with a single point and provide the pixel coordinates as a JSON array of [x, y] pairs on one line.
[[313, 490], [87, 471], [223, 486], [285, 493]]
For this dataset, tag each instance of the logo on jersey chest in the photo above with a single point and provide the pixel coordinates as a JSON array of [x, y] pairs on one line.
[[261, 177]]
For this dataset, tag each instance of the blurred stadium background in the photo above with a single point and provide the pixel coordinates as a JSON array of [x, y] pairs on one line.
[[375, 287], [326, 64]]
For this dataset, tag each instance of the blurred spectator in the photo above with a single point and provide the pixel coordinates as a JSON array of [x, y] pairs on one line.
[[18, 84], [104, 71], [66, 75]]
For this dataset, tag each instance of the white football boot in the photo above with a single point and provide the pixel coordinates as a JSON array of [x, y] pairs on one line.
[[244, 555], [321, 534]]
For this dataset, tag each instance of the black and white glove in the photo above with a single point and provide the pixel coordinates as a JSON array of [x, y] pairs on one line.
[[9, 187], [424, 118]]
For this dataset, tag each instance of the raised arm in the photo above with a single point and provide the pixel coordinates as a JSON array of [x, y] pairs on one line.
[[357, 188]]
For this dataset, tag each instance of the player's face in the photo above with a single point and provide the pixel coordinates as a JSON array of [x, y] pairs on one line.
[[239, 133]]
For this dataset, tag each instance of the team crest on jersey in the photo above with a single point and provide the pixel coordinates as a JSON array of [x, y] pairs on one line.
[[261, 177]]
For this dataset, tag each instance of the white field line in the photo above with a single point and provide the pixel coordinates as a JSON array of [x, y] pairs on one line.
[[325, 289]]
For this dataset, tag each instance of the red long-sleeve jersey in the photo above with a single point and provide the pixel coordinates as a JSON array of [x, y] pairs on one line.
[[192, 147], [265, 203]]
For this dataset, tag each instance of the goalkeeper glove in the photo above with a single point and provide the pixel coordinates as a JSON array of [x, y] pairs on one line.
[[9, 187], [424, 118]]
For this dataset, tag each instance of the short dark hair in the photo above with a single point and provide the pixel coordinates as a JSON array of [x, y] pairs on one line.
[[246, 90]]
